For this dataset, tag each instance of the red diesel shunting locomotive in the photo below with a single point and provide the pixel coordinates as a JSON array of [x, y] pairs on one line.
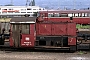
[[25, 32]]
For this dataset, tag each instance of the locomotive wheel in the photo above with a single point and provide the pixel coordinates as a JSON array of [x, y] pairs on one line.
[[73, 48]]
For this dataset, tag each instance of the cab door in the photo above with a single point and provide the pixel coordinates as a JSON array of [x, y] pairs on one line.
[[16, 34], [27, 35]]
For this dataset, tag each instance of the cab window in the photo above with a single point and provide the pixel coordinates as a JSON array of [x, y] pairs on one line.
[[25, 28]]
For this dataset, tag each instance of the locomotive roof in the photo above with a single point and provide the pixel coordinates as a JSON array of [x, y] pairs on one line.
[[65, 11], [23, 20]]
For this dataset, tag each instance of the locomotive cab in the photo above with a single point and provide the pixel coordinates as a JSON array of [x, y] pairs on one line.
[[22, 32]]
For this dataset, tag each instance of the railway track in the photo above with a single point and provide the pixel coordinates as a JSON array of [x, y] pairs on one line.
[[7, 49]]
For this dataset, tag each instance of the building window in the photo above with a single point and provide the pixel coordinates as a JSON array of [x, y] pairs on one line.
[[29, 9], [34, 9], [23, 9], [10, 9], [23, 12], [29, 12], [4, 9], [39, 9]]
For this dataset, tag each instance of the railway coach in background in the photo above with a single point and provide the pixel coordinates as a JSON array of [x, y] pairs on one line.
[[78, 16]]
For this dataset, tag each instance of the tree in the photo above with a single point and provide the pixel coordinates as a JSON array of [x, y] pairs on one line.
[[35, 14]]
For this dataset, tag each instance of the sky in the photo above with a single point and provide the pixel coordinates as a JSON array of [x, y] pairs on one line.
[[52, 4]]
